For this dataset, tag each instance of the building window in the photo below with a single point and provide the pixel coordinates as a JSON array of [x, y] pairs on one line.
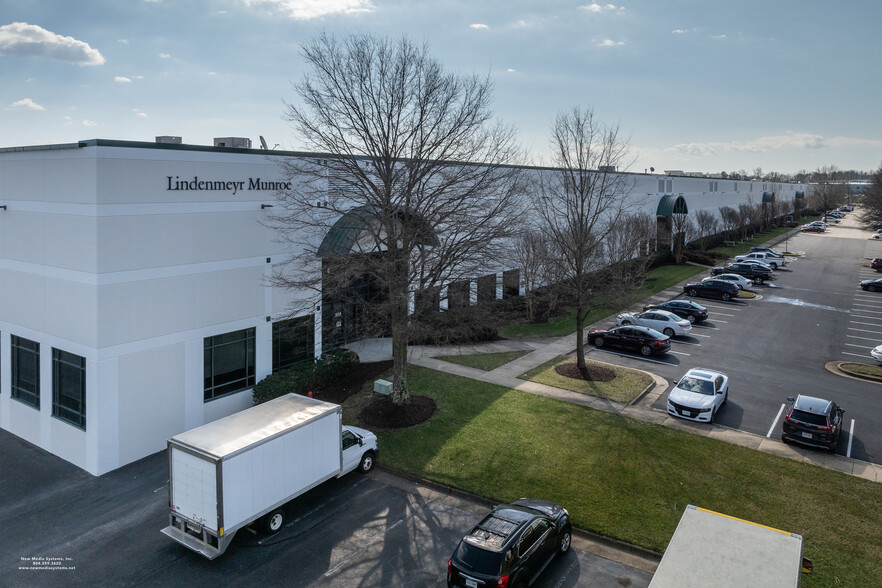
[[661, 186], [26, 371], [69, 387], [229, 363], [293, 341]]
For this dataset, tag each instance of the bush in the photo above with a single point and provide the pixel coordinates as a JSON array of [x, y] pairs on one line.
[[461, 325], [303, 377]]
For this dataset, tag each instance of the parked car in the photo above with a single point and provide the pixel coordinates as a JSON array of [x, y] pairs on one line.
[[876, 236], [813, 421], [687, 309], [643, 339], [769, 250], [818, 223], [876, 353], [712, 289], [770, 260], [660, 320], [812, 229], [872, 285], [753, 272], [511, 545], [699, 395], [757, 263], [876, 264], [740, 281]]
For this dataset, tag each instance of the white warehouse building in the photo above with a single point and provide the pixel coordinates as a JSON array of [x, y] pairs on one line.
[[135, 295]]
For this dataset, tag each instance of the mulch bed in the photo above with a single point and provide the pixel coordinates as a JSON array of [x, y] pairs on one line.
[[594, 373], [381, 413]]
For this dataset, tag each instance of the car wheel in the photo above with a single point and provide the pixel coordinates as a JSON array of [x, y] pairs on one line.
[[669, 332], [646, 350], [598, 341], [274, 521], [692, 292], [690, 318], [626, 322], [725, 398], [871, 288], [726, 297], [367, 462], [713, 416], [565, 541], [774, 265], [759, 281]]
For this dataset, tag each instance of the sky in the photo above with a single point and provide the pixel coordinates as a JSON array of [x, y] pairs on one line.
[[697, 85]]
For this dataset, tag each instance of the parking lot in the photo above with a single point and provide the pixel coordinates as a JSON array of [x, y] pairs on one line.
[[780, 343]]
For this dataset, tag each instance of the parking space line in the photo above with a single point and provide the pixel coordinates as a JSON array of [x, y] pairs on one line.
[[865, 338], [856, 345], [775, 422], [861, 330], [871, 318], [679, 353], [632, 356], [698, 335], [867, 310], [850, 439], [864, 355], [867, 324], [685, 342], [706, 327]]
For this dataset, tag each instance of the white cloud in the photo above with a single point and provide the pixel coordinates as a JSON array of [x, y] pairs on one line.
[[122, 80], [165, 56], [27, 104], [478, 26], [596, 8], [21, 39], [89, 123], [718, 36], [123, 41], [758, 145], [139, 113], [511, 70], [309, 9], [679, 31], [610, 43]]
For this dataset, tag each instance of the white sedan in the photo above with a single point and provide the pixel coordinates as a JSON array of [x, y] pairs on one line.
[[877, 353], [740, 281], [661, 320], [699, 395]]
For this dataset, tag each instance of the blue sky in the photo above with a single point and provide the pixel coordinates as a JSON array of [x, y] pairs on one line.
[[697, 85]]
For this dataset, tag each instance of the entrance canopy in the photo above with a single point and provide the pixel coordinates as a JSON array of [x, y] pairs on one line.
[[671, 204], [355, 223]]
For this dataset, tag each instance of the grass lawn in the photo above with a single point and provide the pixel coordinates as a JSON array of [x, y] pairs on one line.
[[630, 479], [755, 241], [484, 361], [657, 279], [864, 369], [627, 385]]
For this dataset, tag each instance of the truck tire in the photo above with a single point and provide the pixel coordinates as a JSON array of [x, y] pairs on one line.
[[274, 521], [367, 462]]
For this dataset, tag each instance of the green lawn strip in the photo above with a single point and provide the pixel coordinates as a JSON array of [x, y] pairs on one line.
[[862, 369], [629, 479], [657, 279], [484, 361], [624, 388]]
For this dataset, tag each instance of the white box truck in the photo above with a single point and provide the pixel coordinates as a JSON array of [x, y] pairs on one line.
[[231, 472], [713, 549]]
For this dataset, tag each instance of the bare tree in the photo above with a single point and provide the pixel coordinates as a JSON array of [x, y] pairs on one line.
[[582, 205], [872, 201], [416, 191], [531, 254], [707, 225], [730, 220], [684, 230], [828, 190]]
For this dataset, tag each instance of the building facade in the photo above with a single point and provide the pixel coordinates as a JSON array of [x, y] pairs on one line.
[[134, 280]]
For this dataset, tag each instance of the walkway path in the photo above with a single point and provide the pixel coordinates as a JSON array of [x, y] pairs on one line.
[[543, 350]]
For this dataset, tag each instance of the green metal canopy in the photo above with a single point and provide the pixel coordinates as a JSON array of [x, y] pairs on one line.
[[800, 195], [671, 204], [349, 227], [768, 197]]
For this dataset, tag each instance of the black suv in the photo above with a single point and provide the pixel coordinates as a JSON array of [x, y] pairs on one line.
[[511, 546], [748, 270], [813, 421], [712, 289]]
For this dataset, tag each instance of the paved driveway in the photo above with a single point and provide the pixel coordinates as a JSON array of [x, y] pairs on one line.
[[63, 527]]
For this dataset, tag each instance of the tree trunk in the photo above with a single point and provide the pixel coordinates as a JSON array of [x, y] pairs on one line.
[[581, 314]]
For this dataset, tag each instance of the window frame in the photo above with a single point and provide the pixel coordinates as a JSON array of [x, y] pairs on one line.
[[211, 389], [17, 391], [77, 416]]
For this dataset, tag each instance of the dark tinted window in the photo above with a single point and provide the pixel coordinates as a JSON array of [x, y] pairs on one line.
[[809, 417], [479, 560]]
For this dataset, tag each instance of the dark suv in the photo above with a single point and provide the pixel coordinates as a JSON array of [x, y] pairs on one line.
[[712, 289], [510, 546], [813, 421], [748, 270]]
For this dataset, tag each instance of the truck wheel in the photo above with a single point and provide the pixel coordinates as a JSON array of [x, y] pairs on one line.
[[274, 521], [367, 462]]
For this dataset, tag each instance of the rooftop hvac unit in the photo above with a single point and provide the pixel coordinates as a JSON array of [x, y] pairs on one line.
[[169, 139], [239, 142]]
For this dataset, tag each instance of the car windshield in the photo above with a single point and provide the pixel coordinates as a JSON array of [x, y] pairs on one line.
[[695, 385], [479, 560]]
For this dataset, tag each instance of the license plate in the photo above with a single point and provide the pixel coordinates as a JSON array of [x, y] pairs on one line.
[[471, 583], [807, 435]]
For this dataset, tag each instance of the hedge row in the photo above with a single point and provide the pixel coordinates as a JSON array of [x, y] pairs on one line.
[[303, 377]]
